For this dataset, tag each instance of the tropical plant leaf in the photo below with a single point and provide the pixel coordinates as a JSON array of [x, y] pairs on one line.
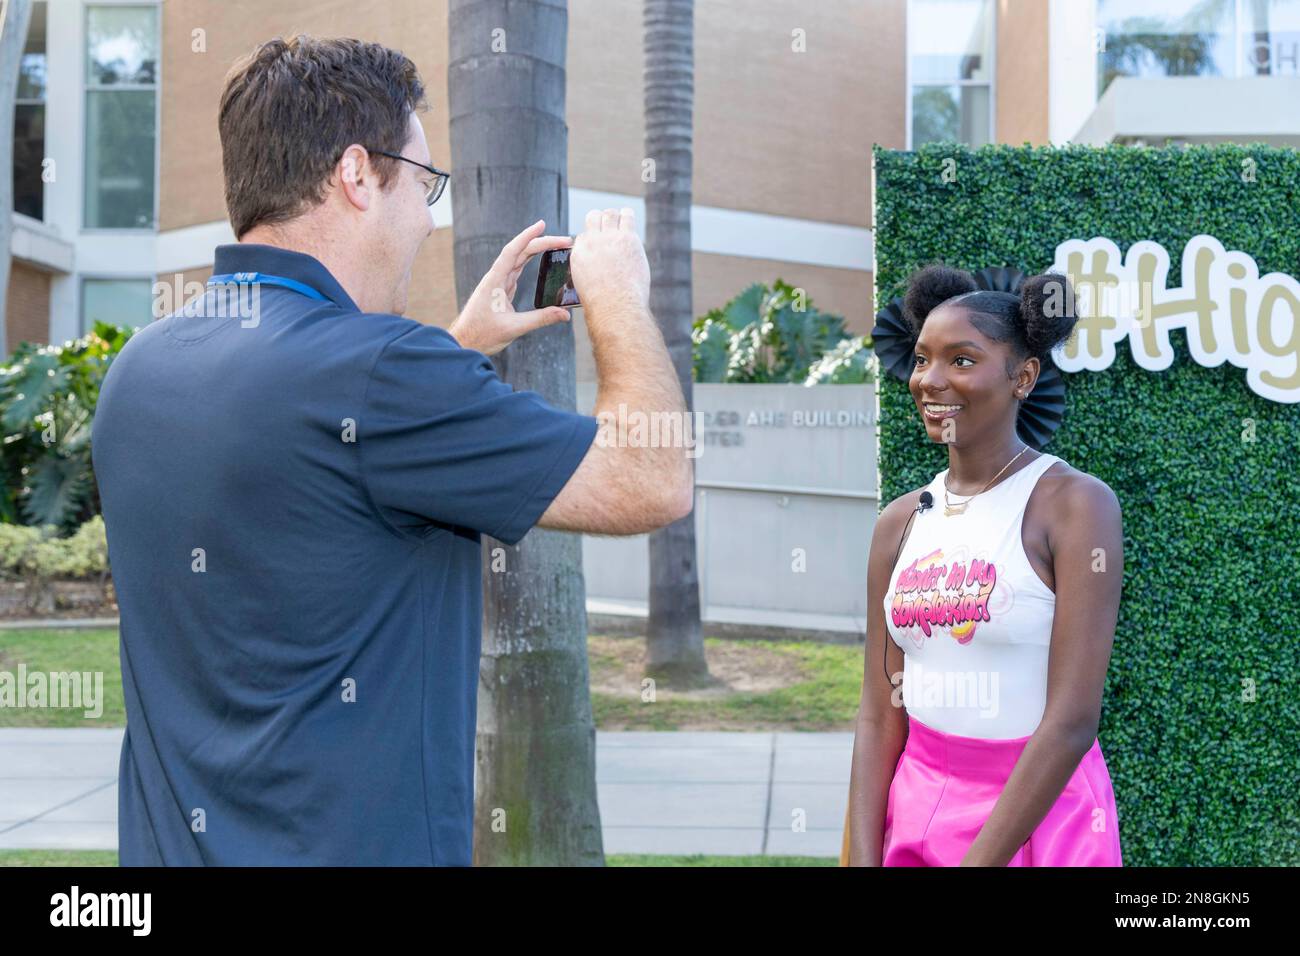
[[745, 308], [802, 338], [710, 339], [27, 387], [48, 396], [56, 488], [73, 427]]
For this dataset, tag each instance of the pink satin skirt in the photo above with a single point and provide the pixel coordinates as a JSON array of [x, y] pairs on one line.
[[944, 789]]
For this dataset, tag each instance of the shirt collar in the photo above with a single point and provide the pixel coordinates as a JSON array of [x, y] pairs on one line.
[[256, 257]]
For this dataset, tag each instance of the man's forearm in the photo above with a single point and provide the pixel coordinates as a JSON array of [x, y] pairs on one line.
[[633, 365], [637, 385]]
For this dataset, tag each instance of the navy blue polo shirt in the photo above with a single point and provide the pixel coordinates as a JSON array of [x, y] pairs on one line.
[[294, 498]]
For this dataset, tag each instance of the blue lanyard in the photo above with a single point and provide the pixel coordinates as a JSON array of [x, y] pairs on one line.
[[251, 278]]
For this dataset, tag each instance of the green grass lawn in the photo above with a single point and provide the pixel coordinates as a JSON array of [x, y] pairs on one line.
[[68, 649], [823, 693], [109, 858], [58, 858], [822, 684]]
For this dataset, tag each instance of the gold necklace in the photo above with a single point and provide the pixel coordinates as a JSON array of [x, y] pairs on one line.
[[955, 509]]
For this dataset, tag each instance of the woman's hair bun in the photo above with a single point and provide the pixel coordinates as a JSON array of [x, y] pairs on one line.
[[1047, 312], [930, 286]]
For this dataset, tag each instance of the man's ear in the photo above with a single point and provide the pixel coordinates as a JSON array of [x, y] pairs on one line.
[[356, 176]]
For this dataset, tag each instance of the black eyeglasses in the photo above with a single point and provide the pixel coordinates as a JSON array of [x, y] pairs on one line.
[[440, 176]]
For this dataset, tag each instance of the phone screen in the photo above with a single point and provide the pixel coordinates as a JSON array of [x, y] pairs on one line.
[[554, 281]]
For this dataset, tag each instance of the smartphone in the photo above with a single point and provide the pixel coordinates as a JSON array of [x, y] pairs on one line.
[[554, 281]]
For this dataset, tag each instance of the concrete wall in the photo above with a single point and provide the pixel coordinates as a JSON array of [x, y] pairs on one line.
[[786, 500]]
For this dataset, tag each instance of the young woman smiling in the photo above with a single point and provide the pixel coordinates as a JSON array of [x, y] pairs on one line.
[[995, 590]]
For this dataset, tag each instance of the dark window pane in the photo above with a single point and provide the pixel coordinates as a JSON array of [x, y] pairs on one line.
[[29, 152], [120, 132]]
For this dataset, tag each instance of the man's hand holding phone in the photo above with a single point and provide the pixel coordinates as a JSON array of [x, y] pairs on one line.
[[489, 322], [605, 270], [609, 266]]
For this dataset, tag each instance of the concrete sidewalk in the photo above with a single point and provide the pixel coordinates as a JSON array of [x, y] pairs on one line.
[[782, 794]]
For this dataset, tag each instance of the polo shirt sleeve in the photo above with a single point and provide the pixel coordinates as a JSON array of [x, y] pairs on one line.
[[442, 439]]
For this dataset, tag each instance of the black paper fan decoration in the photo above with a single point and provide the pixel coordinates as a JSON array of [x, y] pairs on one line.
[[892, 340], [1041, 412]]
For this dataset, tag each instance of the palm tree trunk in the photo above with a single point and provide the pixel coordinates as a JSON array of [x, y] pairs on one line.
[[535, 790], [14, 19], [674, 642]]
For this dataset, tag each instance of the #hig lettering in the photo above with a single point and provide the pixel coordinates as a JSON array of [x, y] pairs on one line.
[[1229, 312]]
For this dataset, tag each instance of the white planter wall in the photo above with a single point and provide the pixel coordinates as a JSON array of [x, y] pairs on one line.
[[785, 503]]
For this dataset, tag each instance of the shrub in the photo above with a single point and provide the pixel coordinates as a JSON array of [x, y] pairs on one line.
[[767, 335], [48, 395], [28, 552], [850, 363]]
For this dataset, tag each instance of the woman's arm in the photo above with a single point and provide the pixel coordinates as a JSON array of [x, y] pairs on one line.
[[1087, 544], [881, 729]]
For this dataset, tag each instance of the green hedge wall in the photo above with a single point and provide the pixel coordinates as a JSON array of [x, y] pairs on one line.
[[1203, 776]]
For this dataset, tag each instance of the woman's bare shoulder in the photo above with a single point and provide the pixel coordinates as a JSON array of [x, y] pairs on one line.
[[1077, 487], [1072, 494]]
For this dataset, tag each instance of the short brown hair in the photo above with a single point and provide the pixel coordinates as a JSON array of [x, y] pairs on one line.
[[291, 108]]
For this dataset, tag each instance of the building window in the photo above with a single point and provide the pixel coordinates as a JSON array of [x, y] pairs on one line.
[[121, 116], [1269, 34], [29, 121], [950, 69], [125, 302], [1197, 38]]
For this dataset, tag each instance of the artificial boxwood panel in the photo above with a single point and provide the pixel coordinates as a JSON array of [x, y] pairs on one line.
[[1203, 775]]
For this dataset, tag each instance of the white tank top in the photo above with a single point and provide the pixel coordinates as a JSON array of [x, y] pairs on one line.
[[971, 614]]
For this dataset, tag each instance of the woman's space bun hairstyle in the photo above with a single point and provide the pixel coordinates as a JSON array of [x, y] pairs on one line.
[[1035, 321]]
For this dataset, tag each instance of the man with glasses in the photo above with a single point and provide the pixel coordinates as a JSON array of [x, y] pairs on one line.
[[433, 187], [295, 499]]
